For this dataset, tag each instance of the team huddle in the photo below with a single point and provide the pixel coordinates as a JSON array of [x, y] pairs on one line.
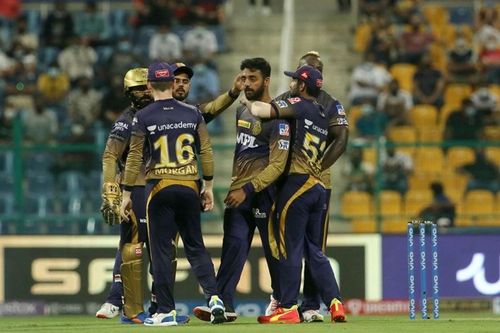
[[158, 176]]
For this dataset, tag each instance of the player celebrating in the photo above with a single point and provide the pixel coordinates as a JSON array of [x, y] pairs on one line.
[[259, 159], [173, 134], [338, 133], [301, 198]]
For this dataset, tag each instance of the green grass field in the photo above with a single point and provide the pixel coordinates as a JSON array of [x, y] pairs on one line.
[[452, 323]]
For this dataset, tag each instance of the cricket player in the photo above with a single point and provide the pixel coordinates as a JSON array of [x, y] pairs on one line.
[[260, 157], [170, 136], [301, 198], [338, 133]]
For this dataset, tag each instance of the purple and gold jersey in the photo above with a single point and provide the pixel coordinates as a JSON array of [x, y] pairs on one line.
[[336, 116], [310, 128], [116, 150], [173, 133], [261, 150]]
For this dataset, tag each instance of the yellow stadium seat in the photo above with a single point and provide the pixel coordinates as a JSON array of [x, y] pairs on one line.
[[424, 115], [495, 88], [479, 205], [497, 205], [492, 132], [353, 115], [364, 225], [430, 134], [448, 34], [403, 73], [358, 207], [455, 93], [436, 15], [458, 156], [438, 56], [370, 155], [444, 113], [454, 185], [493, 154], [415, 201], [403, 134], [362, 37], [429, 160], [391, 204], [420, 181]]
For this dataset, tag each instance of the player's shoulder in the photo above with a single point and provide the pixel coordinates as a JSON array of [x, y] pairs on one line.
[[124, 120]]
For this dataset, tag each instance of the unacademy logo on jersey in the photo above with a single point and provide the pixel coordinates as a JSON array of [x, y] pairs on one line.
[[308, 123], [246, 140], [151, 129]]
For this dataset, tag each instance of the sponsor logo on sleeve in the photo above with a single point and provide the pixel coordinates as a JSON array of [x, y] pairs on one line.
[[134, 121], [340, 110], [281, 104], [342, 121], [284, 129], [120, 126], [283, 144], [294, 100]]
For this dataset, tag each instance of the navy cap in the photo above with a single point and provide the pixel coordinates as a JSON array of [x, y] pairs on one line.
[[309, 75], [160, 72], [180, 67]]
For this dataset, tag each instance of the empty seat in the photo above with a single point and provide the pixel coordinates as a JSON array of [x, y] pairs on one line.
[[429, 160], [436, 15], [423, 115], [404, 135], [72, 182], [455, 93], [459, 156], [430, 134], [42, 183], [479, 206], [358, 207], [454, 185], [420, 181], [40, 205], [362, 37], [493, 154], [353, 114], [403, 73], [415, 201], [492, 132]]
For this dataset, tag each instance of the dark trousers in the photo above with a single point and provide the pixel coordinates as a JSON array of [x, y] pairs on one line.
[[299, 208], [239, 228], [133, 232], [173, 208]]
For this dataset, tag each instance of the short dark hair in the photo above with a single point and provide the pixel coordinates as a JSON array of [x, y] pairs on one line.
[[161, 85], [257, 63]]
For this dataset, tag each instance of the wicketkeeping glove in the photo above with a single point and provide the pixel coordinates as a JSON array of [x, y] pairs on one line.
[[111, 200]]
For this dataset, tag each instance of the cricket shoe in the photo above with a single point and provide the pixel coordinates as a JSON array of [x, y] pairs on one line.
[[281, 316], [139, 319], [108, 311], [272, 306], [337, 311], [217, 310], [203, 313], [162, 319], [312, 316]]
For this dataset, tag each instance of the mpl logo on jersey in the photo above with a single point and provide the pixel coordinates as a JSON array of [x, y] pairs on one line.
[[471, 269]]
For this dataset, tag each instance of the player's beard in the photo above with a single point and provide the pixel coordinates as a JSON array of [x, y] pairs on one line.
[[295, 92], [142, 102], [180, 94], [254, 95]]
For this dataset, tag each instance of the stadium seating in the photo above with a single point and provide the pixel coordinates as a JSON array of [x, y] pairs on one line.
[[493, 153], [492, 132], [436, 15], [444, 112], [415, 201], [403, 134], [430, 134], [423, 115], [403, 73], [458, 156], [429, 160], [479, 207], [455, 93], [362, 37], [391, 209], [358, 207]]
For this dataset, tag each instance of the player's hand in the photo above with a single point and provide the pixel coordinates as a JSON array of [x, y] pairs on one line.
[[207, 200], [111, 199], [235, 198], [238, 84], [126, 206], [244, 101]]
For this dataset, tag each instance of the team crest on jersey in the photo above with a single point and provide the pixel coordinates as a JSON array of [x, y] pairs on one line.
[[244, 123], [281, 104], [151, 129], [340, 110], [284, 129], [283, 144], [256, 128], [294, 100]]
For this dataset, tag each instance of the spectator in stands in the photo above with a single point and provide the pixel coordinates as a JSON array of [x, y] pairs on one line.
[[383, 42], [40, 123], [371, 124], [21, 82], [373, 7], [488, 43], [404, 10], [200, 43], [367, 81], [486, 103], [58, 26], [23, 41], [183, 13], [84, 102], [461, 62], [428, 84], [396, 168], [10, 9], [53, 85], [483, 173], [414, 43], [357, 173], [123, 58], [464, 124], [92, 25], [396, 104], [78, 59], [165, 45], [113, 102], [441, 210]]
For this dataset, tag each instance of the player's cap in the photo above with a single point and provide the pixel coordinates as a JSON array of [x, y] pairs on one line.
[[135, 77], [160, 72], [309, 75], [180, 68]]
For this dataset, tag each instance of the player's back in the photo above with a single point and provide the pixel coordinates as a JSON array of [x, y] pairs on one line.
[[172, 139]]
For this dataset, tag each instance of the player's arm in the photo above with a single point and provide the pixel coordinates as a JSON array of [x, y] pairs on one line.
[[132, 169], [338, 136], [207, 166], [275, 109], [213, 108]]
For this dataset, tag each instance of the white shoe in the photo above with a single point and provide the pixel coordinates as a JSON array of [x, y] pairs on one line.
[[312, 316], [273, 305], [108, 311], [162, 319], [217, 310]]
